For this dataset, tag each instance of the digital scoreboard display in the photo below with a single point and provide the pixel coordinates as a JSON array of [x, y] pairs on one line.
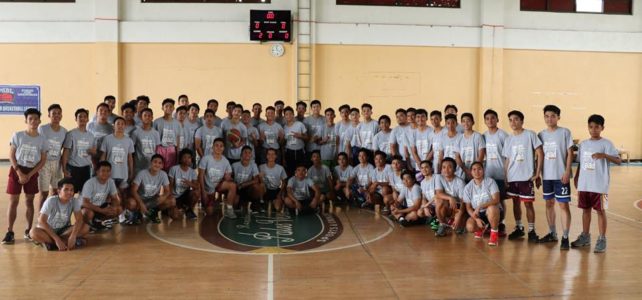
[[270, 25]]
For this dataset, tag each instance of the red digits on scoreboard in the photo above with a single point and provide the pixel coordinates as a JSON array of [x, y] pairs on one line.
[[283, 25], [269, 35], [287, 35], [256, 25], [269, 15], [260, 35]]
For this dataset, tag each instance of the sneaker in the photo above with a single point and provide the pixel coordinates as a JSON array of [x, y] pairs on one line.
[[532, 237], [96, 228], [564, 244], [582, 241], [152, 215], [441, 231], [551, 237], [434, 225], [229, 213], [460, 230], [479, 234], [502, 230], [8, 238], [80, 242], [385, 210], [403, 222], [50, 246], [26, 235], [600, 245], [190, 215], [366, 205], [517, 233], [494, 238]]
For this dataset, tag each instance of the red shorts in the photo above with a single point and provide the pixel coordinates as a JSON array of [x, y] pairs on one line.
[[169, 156], [522, 190], [588, 200], [15, 188]]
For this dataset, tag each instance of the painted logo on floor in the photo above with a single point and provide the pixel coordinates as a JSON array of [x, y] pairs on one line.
[[271, 233]]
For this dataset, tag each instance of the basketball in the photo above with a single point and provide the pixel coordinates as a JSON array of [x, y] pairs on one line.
[[233, 136]]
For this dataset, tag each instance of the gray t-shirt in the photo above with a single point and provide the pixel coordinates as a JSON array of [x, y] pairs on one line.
[[366, 132], [329, 149], [422, 140], [342, 130], [437, 148], [189, 129], [117, 152], [342, 175], [271, 133], [97, 192], [145, 142], [169, 131], [594, 173], [272, 177], [59, 214], [100, 131], [215, 171], [180, 177], [556, 145], [410, 195], [256, 122], [29, 149], [150, 186], [244, 173], [451, 149], [231, 151], [314, 126], [301, 188], [396, 182], [381, 142], [478, 195], [381, 175], [470, 146], [207, 136], [55, 140], [454, 188], [428, 186], [292, 142], [494, 148], [351, 136], [320, 176], [79, 142], [362, 174], [520, 152], [399, 136]]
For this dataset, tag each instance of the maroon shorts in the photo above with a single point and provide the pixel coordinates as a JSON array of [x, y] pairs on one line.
[[522, 190], [15, 188], [588, 200], [169, 156]]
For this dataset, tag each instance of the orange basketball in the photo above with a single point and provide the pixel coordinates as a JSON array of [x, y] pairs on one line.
[[233, 136]]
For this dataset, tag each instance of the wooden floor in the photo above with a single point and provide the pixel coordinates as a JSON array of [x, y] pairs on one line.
[[372, 259]]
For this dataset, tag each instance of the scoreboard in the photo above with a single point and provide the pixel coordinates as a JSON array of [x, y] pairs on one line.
[[270, 25]]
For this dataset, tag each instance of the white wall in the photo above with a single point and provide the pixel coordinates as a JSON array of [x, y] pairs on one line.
[[133, 21]]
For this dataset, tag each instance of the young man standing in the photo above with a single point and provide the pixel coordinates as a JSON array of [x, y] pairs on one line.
[[295, 137], [472, 147], [27, 154], [118, 149], [142, 102], [170, 132], [592, 180], [270, 135], [256, 111], [301, 108], [278, 106], [367, 130], [449, 142], [558, 157], [79, 147], [51, 173], [522, 150], [213, 105], [381, 140], [329, 141], [421, 137], [435, 138], [205, 135], [54, 230], [145, 139], [495, 138], [235, 135], [101, 127], [399, 138], [314, 125]]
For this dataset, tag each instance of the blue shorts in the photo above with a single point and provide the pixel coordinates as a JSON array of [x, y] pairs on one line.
[[556, 189]]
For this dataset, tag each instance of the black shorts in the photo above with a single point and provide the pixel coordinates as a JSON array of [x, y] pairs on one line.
[[244, 195], [270, 195], [184, 200], [79, 175]]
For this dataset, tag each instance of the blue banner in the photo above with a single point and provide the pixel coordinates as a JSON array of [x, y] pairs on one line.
[[15, 99]]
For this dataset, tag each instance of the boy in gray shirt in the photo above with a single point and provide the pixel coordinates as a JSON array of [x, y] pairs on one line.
[[145, 139], [494, 168], [79, 147], [100, 199], [51, 172], [170, 132], [592, 180], [205, 136], [118, 149], [215, 176], [146, 196], [270, 135], [302, 194]]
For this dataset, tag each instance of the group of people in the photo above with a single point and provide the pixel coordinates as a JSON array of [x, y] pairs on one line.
[[130, 167]]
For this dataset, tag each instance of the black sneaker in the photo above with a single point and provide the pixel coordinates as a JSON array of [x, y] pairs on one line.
[[564, 245], [402, 221], [97, 227], [50, 246], [26, 235], [532, 237], [190, 215], [152, 215], [517, 233], [549, 238], [8, 238]]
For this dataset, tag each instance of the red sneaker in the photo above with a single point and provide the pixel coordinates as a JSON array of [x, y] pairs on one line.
[[479, 234], [494, 238]]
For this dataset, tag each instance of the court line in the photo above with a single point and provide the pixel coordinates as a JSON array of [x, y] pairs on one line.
[[270, 277]]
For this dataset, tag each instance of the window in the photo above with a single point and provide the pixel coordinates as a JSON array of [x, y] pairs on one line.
[[206, 1], [624, 7], [413, 3]]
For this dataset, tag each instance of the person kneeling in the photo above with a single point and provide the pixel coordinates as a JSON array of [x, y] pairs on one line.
[[150, 193], [481, 196], [100, 199], [54, 230], [183, 182], [246, 176], [299, 196], [407, 203]]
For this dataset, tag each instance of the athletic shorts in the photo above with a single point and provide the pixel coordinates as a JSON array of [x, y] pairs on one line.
[[169, 156], [556, 189], [79, 175], [244, 194], [183, 200], [588, 200], [49, 175], [121, 183], [13, 184], [60, 231], [270, 195], [522, 190], [150, 202]]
